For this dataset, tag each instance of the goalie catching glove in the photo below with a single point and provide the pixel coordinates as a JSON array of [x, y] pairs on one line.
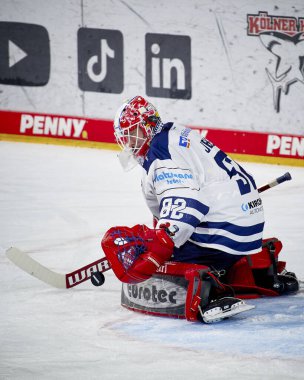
[[136, 253]]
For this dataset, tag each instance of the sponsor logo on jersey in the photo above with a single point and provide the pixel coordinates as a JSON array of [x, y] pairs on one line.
[[253, 207], [172, 177], [184, 141]]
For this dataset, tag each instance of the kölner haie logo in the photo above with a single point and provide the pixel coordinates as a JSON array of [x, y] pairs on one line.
[[100, 60], [24, 54], [283, 37], [168, 66]]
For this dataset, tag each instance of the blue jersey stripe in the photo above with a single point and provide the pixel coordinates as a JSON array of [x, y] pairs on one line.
[[159, 148], [187, 218], [234, 229], [227, 242]]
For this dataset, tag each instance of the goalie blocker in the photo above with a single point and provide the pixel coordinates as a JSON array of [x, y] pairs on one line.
[[153, 285]]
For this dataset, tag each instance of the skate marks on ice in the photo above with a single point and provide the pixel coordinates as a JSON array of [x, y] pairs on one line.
[[274, 329]]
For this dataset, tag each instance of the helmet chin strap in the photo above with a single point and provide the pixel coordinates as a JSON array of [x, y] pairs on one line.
[[127, 160]]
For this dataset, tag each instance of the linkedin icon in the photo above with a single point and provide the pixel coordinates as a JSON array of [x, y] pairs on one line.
[[168, 66]]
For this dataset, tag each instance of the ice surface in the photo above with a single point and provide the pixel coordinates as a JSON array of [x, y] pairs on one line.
[[56, 203]]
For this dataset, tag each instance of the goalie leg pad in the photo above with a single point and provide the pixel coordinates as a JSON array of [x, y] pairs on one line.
[[202, 301], [193, 298], [201, 285]]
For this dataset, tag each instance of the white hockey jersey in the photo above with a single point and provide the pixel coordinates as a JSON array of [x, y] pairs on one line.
[[192, 184]]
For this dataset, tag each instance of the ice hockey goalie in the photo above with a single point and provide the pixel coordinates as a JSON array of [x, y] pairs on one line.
[[154, 284]]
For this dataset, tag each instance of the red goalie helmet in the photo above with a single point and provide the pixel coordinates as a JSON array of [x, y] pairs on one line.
[[136, 123]]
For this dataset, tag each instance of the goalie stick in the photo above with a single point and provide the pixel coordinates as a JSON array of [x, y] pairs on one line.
[[69, 280], [277, 181], [58, 280]]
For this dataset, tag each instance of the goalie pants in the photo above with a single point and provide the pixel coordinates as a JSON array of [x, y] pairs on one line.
[[213, 258]]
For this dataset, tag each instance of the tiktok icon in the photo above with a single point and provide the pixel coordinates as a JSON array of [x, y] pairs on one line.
[[100, 60]]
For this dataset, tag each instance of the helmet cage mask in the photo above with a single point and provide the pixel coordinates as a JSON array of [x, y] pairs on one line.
[[134, 138], [136, 123]]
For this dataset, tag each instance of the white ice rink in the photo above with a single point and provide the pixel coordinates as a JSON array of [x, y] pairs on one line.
[[56, 203]]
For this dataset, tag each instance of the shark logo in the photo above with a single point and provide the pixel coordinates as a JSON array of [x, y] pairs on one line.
[[289, 53], [283, 37]]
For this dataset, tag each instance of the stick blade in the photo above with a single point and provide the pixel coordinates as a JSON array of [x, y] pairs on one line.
[[31, 266]]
